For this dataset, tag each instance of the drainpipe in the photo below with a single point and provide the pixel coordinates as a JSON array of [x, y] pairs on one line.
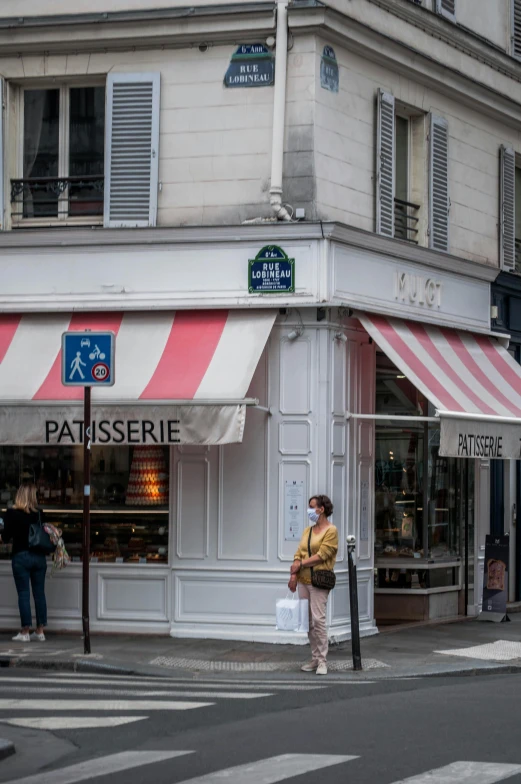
[[279, 109]]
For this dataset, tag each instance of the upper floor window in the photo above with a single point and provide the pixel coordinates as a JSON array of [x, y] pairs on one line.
[[63, 153], [84, 152], [412, 200], [515, 28], [510, 211]]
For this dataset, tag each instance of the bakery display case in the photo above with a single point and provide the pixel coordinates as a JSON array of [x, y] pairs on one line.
[[129, 498]]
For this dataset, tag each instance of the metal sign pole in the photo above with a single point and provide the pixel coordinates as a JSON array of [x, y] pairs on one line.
[[353, 602], [86, 518]]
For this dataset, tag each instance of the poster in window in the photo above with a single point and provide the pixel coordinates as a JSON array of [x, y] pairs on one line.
[[495, 579], [293, 510]]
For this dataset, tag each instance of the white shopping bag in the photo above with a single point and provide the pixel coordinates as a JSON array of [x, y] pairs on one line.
[[292, 614]]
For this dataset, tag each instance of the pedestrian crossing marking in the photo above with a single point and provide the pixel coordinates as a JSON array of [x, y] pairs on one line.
[[461, 772], [101, 766], [86, 680], [272, 769], [52, 723], [222, 695], [116, 706]]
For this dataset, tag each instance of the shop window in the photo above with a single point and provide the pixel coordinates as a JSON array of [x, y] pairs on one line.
[[129, 498], [62, 166], [422, 500]]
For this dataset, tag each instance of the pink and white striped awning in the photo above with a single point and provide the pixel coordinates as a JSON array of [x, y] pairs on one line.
[[181, 355], [469, 378], [180, 377]]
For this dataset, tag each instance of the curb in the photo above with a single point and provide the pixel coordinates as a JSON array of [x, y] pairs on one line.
[[7, 748], [158, 672]]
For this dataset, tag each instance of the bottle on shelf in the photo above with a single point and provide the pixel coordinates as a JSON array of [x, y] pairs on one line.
[[69, 488], [56, 490], [44, 491]]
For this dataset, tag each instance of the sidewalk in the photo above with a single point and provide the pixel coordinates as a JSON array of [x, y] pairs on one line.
[[394, 653]]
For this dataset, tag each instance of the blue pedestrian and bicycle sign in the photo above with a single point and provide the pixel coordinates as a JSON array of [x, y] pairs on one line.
[[88, 359]]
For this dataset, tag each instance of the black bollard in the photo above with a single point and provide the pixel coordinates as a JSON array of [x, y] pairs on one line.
[[353, 602]]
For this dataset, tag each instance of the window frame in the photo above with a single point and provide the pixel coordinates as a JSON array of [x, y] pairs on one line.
[[64, 86]]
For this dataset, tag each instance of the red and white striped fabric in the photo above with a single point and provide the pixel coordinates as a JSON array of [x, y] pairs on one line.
[[174, 355], [457, 371]]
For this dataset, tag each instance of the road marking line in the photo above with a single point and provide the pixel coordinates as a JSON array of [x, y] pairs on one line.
[[272, 769], [99, 705], [460, 772], [102, 766], [143, 683], [72, 722], [223, 695]]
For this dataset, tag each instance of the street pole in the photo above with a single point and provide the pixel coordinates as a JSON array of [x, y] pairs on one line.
[[86, 518], [353, 602]]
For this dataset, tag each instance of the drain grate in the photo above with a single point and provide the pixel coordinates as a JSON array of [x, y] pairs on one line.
[[501, 650], [232, 666]]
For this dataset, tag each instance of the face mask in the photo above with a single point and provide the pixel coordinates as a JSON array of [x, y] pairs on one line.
[[314, 517]]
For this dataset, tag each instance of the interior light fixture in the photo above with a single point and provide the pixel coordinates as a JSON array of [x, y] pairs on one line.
[[400, 376]]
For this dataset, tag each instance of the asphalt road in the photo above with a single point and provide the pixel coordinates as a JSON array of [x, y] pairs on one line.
[[211, 729]]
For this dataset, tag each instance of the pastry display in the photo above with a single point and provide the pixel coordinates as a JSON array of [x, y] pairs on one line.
[[496, 574], [148, 481]]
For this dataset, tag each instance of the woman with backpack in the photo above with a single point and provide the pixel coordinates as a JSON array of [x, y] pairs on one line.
[[29, 565]]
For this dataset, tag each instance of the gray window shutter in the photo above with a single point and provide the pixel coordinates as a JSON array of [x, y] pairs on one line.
[[516, 28], [385, 165], [2, 154], [131, 149], [439, 184], [446, 8], [507, 191]]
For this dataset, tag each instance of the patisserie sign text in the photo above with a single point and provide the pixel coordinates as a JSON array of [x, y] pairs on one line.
[[118, 431], [480, 446]]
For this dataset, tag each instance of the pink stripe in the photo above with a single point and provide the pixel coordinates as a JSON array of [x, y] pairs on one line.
[[52, 388], [456, 343], [430, 382], [194, 336], [8, 325], [502, 364], [423, 337]]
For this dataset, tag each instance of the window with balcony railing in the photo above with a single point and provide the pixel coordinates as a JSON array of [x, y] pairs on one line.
[[62, 167], [405, 211]]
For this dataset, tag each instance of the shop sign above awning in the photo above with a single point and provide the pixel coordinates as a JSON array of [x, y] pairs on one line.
[[471, 379], [180, 377]]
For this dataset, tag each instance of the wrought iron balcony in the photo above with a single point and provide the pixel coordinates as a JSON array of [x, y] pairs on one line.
[[57, 197], [406, 220]]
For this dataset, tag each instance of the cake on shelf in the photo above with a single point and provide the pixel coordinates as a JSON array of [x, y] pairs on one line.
[[148, 480]]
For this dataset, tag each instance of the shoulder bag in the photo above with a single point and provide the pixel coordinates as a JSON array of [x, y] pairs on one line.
[[322, 578], [39, 539]]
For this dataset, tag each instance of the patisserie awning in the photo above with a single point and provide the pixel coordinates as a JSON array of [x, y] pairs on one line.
[[473, 382], [180, 377]]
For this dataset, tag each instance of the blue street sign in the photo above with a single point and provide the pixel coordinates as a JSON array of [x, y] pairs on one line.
[[88, 359]]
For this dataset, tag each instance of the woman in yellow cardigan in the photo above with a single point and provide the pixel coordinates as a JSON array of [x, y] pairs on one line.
[[324, 547]]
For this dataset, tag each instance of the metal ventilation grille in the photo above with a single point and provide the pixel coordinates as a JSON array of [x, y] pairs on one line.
[[507, 184], [439, 184], [516, 28], [385, 165], [132, 153]]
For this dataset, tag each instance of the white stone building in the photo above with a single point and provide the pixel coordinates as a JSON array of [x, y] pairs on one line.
[[148, 154]]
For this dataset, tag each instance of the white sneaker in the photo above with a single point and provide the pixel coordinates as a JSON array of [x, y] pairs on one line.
[[21, 637], [310, 667], [39, 637], [322, 669]]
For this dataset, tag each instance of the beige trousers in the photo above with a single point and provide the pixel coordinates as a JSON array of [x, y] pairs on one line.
[[317, 634]]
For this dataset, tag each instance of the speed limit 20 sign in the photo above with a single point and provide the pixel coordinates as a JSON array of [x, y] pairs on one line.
[[88, 359]]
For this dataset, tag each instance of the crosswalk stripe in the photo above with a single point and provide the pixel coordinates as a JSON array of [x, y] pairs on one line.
[[72, 722], [272, 769], [460, 772], [102, 766], [301, 679], [194, 683], [100, 705], [223, 695]]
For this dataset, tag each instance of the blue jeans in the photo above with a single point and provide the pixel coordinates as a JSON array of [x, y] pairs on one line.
[[30, 568]]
